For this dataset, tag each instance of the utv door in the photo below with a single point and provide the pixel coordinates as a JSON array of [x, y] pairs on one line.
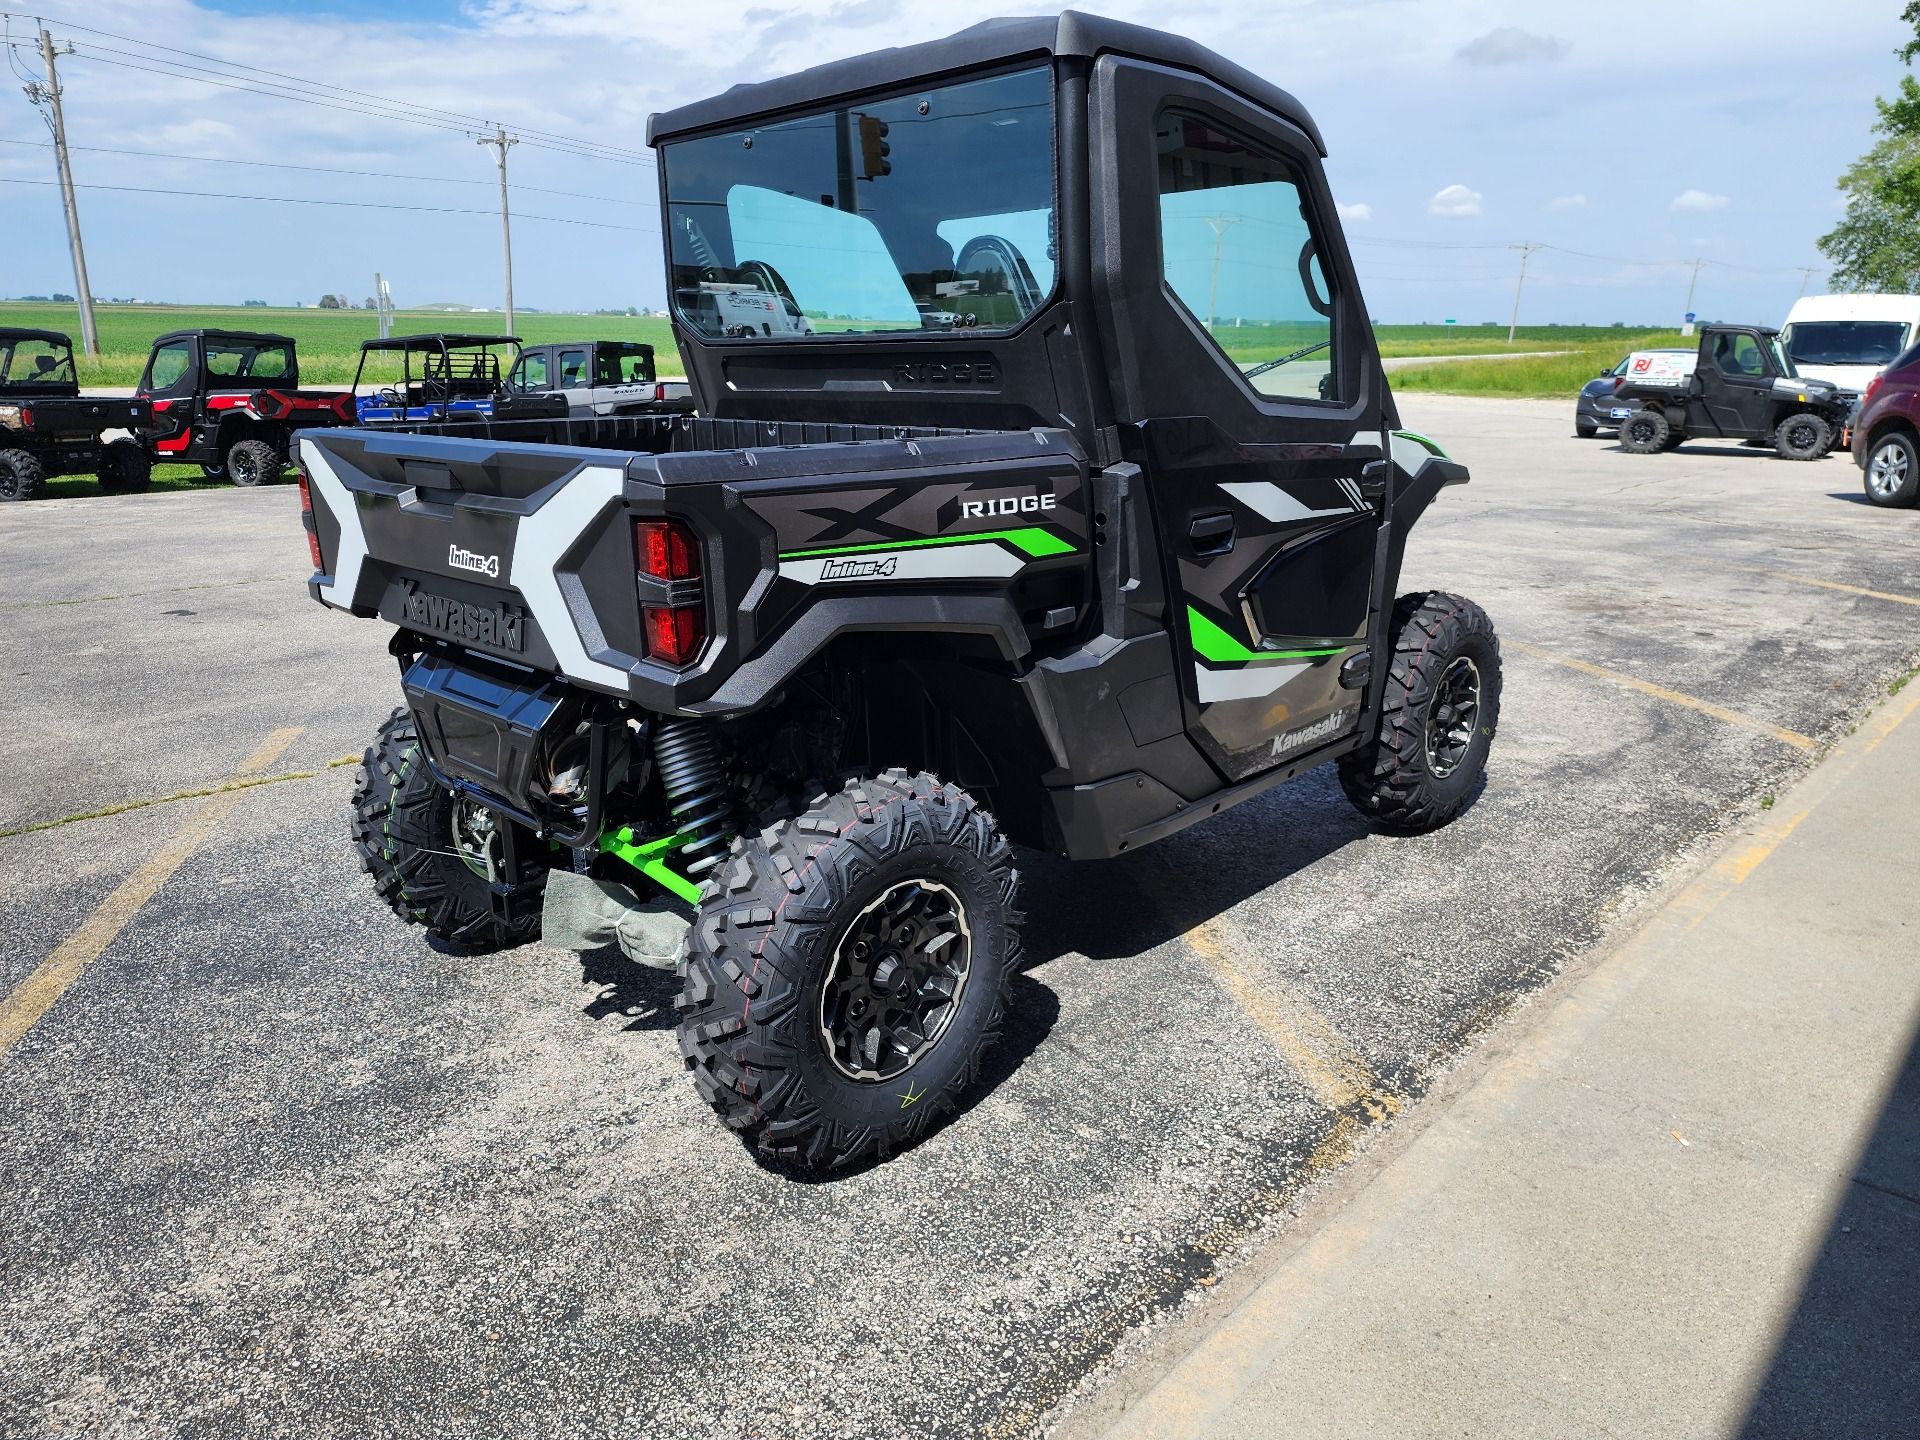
[[1247, 386], [1736, 384]]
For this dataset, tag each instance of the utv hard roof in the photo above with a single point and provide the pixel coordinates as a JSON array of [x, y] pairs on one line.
[[1069, 34], [435, 340], [246, 337], [20, 332]]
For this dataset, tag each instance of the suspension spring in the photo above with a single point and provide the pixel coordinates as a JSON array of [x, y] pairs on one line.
[[695, 781]]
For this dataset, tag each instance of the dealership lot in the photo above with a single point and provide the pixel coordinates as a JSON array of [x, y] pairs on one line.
[[275, 1165]]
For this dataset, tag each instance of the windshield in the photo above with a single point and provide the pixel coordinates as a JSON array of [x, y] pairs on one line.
[[932, 211], [1780, 358], [1846, 342], [33, 361]]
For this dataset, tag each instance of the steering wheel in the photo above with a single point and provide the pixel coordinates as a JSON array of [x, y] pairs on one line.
[[390, 395]]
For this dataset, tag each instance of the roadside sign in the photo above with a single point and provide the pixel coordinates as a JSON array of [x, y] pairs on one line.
[[1690, 317]]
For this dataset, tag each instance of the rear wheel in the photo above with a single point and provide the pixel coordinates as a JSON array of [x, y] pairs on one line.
[[1645, 432], [255, 462], [1804, 436], [1892, 474], [848, 969], [125, 468], [430, 853], [1585, 429], [21, 476], [1425, 762]]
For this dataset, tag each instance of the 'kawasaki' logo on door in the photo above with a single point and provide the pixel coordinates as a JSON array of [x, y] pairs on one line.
[[498, 625]]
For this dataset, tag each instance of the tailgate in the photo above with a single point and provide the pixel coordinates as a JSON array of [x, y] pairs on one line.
[[88, 416], [524, 552]]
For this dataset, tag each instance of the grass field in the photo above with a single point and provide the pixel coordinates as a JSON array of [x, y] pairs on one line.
[[329, 340], [1546, 377]]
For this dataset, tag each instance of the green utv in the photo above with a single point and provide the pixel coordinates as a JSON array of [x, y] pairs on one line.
[[1045, 488]]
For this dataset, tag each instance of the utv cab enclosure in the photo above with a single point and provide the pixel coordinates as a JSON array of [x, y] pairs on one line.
[[1739, 386], [1071, 514], [408, 380], [229, 401], [598, 377], [48, 428]]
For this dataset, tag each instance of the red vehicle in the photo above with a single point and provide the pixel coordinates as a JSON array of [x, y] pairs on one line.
[[1886, 433], [229, 401]]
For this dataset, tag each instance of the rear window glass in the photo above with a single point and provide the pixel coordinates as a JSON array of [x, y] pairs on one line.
[[35, 362], [234, 360]]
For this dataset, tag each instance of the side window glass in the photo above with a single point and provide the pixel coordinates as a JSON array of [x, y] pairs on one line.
[[533, 372], [1238, 251], [573, 369], [170, 366]]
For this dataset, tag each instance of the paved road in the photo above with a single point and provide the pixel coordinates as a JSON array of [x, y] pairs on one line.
[[273, 1165]]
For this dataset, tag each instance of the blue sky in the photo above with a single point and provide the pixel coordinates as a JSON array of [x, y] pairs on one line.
[[1458, 128]]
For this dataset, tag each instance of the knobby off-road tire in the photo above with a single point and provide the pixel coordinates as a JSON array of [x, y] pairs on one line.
[[1804, 436], [21, 476], [1892, 474], [125, 468], [403, 829], [1645, 432], [1424, 763], [776, 957], [255, 462]]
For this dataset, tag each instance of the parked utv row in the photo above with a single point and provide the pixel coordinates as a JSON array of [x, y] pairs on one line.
[[230, 401]]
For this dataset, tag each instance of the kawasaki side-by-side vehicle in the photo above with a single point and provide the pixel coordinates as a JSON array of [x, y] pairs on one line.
[[48, 428], [230, 402], [410, 379], [1740, 385], [1074, 516]]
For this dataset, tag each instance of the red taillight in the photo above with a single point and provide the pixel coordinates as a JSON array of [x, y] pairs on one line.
[[674, 632], [1873, 389], [1618, 381], [308, 522], [659, 392], [343, 407], [666, 550]]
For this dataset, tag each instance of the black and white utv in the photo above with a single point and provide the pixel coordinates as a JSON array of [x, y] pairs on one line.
[[1071, 517]]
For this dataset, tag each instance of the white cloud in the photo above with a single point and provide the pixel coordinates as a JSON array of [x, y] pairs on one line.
[[1359, 211], [1510, 45], [1455, 202], [1568, 202], [1699, 200]]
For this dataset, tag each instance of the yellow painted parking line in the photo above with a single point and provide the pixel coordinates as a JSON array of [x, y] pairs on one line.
[[36, 994], [1661, 692], [1323, 1058], [1887, 595]]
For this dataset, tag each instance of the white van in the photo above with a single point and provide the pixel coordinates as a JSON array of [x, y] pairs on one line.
[[1849, 339]]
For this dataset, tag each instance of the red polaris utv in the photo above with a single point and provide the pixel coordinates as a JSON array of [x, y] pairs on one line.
[[229, 401]]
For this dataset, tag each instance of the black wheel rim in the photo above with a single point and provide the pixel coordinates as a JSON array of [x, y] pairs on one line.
[[243, 470], [9, 483], [1452, 716], [477, 839], [895, 982], [1641, 431], [1800, 436]]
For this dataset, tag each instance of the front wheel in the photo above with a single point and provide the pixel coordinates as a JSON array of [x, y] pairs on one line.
[[1802, 437], [1892, 476], [433, 856], [1424, 763], [848, 969]]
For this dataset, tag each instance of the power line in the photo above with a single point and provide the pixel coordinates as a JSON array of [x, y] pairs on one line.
[[648, 204], [306, 83], [349, 204]]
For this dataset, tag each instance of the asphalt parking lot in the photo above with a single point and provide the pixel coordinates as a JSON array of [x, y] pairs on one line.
[[274, 1166]]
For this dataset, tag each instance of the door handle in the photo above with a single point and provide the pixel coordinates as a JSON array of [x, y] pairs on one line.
[[1211, 534], [1373, 477]]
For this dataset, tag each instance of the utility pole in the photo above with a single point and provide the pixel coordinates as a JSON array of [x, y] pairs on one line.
[[1693, 282], [50, 94], [1219, 224], [502, 142], [1526, 249], [1806, 278], [382, 304]]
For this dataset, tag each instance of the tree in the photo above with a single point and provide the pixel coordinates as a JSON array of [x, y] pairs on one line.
[[332, 302], [1876, 246]]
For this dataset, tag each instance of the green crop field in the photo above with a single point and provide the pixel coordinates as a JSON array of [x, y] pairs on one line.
[[329, 340], [1543, 377]]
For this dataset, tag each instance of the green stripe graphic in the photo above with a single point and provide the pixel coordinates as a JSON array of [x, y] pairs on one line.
[[1033, 541], [1210, 642]]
